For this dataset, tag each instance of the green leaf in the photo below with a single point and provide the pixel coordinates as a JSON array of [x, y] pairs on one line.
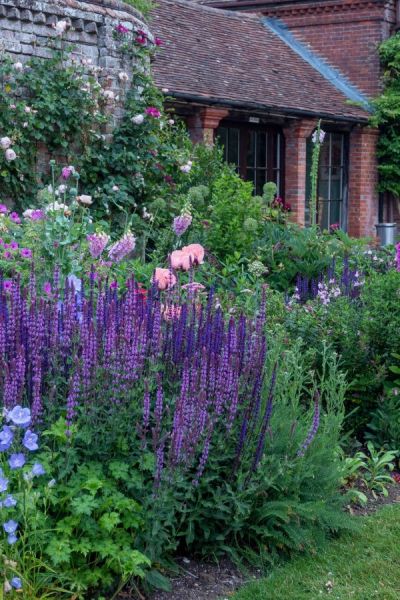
[[109, 521]]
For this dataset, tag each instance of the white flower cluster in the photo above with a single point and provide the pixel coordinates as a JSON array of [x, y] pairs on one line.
[[9, 153]]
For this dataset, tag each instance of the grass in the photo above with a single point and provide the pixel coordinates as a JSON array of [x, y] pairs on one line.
[[361, 566]]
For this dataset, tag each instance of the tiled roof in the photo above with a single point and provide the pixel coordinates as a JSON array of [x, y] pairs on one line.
[[231, 58]]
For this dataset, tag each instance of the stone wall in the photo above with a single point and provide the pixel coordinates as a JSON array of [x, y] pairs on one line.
[[26, 26]]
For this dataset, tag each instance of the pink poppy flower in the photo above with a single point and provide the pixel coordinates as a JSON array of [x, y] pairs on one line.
[[181, 260], [196, 251], [164, 278]]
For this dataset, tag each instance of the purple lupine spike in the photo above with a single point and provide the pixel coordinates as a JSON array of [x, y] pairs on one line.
[[314, 428]]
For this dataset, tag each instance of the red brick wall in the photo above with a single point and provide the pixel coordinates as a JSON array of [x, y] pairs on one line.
[[363, 179], [345, 32]]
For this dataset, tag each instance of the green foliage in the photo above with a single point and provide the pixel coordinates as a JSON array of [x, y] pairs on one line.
[[384, 427], [387, 117], [143, 6], [376, 465]]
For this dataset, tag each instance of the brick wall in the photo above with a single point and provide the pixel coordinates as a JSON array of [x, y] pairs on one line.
[[345, 32]]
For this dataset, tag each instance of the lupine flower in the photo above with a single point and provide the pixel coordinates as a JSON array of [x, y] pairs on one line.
[[181, 224], [10, 155], [122, 248], [152, 111], [97, 243], [38, 470], [16, 461], [30, 440], [10, 526], [20, 416], [16, 583], [9, 501]]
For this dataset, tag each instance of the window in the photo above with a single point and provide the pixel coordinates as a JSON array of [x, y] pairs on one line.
[[255, 152], [332, 181]]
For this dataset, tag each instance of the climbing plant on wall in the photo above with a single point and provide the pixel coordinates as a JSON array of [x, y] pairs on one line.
[[387, 117]]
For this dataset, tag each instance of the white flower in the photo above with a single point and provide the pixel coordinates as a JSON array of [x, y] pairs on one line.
[[27, 213], [171, 122], [186, 168], [55, 206], [25, 124], [123, 76], [60, 27], [51, 483], [7, 587], [115, 188], [85, 200], [28, 109], [10, 154], [5, 143], [138, 120], [108, 95], [18, 66], [165, 90]]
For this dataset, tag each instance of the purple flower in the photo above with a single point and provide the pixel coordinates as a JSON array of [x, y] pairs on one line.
[[37, 215], [37, 470], [26, 253], [16, 583], [12, 538], [67, 172], [122, 248], [3, 484], [16, 461], [20, 416], [47, 288], [10, 526], [30, 440], [6, 438], [181, 224], [15, 217], [10, 501], [3, 209], [97, 243], [76, 282], [14, 245], [7, 283]]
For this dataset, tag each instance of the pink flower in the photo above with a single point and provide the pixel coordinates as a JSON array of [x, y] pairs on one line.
[[121, 28], [67, 172], [5, 143], [37, 215], [14, 245], [194, 287], [164, 278], [7, 255], [10, 155], [153, 112], [122, 248], [97, 243], [7, 285], [181, 260], [157, 41], [47, 288], [3, 209], [141, 39], [114, 285], [26, 253], [196, 251], [15, 217]]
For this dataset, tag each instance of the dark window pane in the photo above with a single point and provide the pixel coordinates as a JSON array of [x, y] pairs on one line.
[[250, 175], [261, 144], [222, 138], [233, 146], [261, 178], [251, 149]]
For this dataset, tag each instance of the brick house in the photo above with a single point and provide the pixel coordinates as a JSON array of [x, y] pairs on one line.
[[259, 74]]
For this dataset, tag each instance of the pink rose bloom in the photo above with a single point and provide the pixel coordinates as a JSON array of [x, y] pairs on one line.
[[196, 251], [153, 112], [164, 278], [181, 260], [121, 28], [10, 155]]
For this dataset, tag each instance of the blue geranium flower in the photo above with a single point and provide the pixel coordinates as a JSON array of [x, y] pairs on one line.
[[30, 440], [16, 583], [6, 438], [12, 538], [3, 484], [16, 461], [10, 526], [10, 501], [20, 416], [37, 470]]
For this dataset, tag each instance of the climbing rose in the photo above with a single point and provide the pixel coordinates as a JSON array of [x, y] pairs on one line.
[[153, 112], [85, 200], [10, 155], [5, 143], [138, 120]]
